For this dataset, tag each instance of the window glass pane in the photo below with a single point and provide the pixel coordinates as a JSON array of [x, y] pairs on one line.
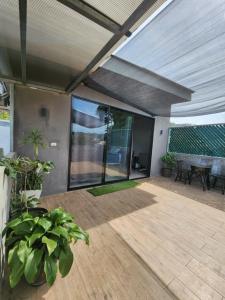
[[118, 145], [87, 142]]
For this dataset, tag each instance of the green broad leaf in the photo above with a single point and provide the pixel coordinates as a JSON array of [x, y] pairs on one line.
[[23, 251], [50, 268], [60, 231], [38, 232], [36, 219], [65, 261], [16, 270], [51, 244], [32, 265], [59, 216], [80, 236], [14, 222], [71, 226], [5, 231], [24, 228], [11, 253], [12, 240], [46, 224]]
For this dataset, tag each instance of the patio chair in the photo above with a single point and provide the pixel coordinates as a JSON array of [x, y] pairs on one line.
[[218, 174], [182, 171]]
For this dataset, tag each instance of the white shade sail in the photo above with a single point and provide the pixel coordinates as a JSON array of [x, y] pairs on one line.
[[186, 43]]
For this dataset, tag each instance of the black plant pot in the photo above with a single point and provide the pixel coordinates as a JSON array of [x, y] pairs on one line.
[[166, 172], [34, 211]]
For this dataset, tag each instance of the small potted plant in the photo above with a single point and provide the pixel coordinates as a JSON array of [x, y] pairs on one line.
[[35, 170], [33, 173], [39, 246], [169, 161], [35, 139]]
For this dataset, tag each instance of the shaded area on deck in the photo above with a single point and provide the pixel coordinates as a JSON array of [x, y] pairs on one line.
[[147, 242]]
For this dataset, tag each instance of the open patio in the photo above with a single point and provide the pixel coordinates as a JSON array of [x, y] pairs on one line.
[[160, 240], [125, 98]]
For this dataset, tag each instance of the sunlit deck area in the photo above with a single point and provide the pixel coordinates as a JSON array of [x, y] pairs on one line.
[[149, 242]]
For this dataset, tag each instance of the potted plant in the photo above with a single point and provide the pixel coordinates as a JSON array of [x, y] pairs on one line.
[[33, 173], [35, 176], [28, 175], [35, 139], [38, 246], [169, 161]]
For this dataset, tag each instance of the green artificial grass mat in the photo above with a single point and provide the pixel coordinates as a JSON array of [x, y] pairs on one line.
[[113, 187]]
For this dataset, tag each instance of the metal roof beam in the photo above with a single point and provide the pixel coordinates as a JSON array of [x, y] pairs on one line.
[[93, 14], [134, 17], [23, 34]]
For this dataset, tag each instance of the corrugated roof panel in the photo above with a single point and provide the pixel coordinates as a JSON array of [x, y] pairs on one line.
[[117, 10], [59, 34], [9, 24], [9, 37]]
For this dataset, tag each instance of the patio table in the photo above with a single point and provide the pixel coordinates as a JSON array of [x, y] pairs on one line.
[[203, 171]]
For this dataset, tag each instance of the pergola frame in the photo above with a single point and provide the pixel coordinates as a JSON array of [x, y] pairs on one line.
[[94, 15]]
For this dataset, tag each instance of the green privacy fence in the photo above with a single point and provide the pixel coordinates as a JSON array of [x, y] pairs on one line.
[[201, 140]]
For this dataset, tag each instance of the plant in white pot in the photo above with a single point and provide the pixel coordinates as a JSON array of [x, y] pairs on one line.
[[33, 174], [35, 170]]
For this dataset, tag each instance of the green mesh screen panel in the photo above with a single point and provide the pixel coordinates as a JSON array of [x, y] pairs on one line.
[[201, 140]]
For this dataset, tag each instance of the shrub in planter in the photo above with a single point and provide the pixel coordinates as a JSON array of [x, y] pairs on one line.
[[169, 162], [40, 245], [32, 176], [28, 175]]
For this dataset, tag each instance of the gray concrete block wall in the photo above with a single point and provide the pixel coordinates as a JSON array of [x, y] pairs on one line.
[[30, 105]]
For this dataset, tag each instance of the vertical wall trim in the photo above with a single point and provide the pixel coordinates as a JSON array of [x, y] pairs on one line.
[[12, 115]]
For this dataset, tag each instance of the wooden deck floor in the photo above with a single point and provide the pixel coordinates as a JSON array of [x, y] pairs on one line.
[[146, 243]]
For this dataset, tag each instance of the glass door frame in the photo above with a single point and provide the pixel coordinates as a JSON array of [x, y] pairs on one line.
[[73, 97]]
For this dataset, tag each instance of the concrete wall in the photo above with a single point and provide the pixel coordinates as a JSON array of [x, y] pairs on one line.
[[29, 107], [159, 143]]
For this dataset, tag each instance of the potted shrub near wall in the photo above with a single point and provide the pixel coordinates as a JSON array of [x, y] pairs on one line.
[[169, 163]]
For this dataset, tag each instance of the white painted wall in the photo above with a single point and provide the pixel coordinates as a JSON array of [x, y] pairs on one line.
[[5, 187], [159, 144]]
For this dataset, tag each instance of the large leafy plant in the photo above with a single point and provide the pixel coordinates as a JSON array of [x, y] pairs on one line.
[[169, 159], [37, 243]]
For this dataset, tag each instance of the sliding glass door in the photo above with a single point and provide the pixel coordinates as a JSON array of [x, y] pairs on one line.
[[107, 144], [118, 145], [88, 129]]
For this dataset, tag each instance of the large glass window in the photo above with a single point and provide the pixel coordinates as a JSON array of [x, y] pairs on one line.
[[87, 142]]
